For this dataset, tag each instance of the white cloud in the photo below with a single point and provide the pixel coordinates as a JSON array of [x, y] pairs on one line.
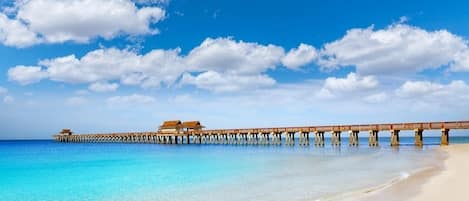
[[456, 89], [418, 88], [300, 56], [102, 65], [103, 87], [77, 100], [353, 83], [430, 97], [82, 92], [131, 99], [57, 21], [395, 49], [3, 90], [228, 65], [26, 74], [15, 33], [461, 62], [95, 66], [225, 55], [239, 62], [8, 99], [152, 2], [376, 98], [217, 82]]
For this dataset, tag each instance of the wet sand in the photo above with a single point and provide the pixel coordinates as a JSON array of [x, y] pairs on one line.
[[445, 181], [451, 183]]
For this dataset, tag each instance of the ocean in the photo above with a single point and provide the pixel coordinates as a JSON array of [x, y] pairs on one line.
[[38, 170]]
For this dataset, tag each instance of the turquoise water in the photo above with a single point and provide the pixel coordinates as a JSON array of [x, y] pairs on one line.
[[45, 170]]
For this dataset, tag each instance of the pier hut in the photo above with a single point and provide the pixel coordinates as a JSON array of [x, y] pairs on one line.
[[192, 126], [66, 131], [65, 135], [171, 127]]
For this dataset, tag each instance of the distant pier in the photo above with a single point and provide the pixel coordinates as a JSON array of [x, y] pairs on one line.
[[192, 132]]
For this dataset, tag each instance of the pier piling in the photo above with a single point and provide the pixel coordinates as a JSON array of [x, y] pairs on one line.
[[395, 137], [353, 140], [373, 139], [177, 132]]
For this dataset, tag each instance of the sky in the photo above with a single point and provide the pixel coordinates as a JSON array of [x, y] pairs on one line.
[[128, 65]]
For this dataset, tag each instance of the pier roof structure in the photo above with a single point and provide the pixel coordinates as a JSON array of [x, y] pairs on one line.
[[174, 124], [192, 125], [66, 131]]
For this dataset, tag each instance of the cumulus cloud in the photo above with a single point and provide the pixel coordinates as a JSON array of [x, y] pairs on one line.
[[102, 65], [461, 62], [152, 2], [397, 48], [131, 99], [82, 92], [103, 87], [58, 21], [218, 82], [352, 83], [223, 60], [300, 56], [445, 99], [14, 33], [235, 57], [455, 89], [228, 65], [8, 99], [376, 98], [26, 74], [77, 100]]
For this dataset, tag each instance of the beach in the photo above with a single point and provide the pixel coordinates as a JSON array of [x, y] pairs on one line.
[[451, 183], [445, 181]]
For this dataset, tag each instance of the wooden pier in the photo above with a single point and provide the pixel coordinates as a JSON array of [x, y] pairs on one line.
[[177, 132]]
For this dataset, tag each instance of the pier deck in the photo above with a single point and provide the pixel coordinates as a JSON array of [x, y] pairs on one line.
[[177, 132]]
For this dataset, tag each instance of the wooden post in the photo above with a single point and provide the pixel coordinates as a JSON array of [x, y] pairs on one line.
[[373, 140], [353, 140], [304, 138], [292, 138], [418, 137], [444, 136], [280, 138], [262, 138], [335, 138], [319, 138], [395, 137]]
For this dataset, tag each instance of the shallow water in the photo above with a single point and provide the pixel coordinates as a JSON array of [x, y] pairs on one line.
[[45, 170]]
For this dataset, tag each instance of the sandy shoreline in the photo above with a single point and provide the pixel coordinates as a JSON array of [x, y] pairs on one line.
[[452, 182], [445, 181]]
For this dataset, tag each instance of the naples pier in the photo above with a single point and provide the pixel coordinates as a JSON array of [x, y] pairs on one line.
[[193, 132]]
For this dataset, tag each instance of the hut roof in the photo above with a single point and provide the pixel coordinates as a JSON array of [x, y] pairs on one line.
[[171, 124], [66, 131], [191, 124]]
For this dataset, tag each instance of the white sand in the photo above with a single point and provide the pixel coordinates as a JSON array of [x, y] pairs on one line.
[[446, 181], [453, 182]]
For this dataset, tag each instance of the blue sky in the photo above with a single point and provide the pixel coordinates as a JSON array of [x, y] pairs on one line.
[[127, 65]]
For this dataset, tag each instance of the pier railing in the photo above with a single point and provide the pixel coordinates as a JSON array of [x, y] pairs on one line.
[[272, 135]]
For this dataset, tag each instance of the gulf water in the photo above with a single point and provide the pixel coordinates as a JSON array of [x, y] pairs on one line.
[[46, 170]]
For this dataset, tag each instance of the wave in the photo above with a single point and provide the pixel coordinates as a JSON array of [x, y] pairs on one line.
[[366, 193]]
